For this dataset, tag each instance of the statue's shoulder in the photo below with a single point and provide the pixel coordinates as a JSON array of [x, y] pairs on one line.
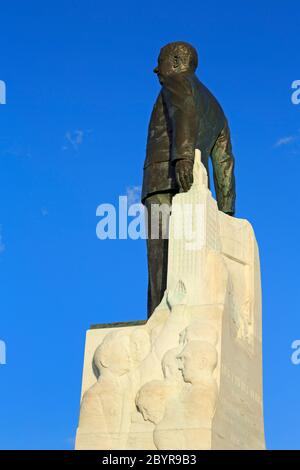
[[177, 85], [196, 83], [206, 94]]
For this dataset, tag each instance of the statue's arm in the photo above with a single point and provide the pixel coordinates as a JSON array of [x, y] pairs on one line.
[[223, 166]]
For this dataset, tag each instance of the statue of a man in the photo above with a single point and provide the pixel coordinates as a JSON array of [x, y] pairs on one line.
[[185, 116]]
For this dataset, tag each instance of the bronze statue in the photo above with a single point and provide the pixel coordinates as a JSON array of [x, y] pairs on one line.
[[185, 116]]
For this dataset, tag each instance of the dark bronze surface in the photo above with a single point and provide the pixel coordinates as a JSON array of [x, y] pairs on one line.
[[185, 116]]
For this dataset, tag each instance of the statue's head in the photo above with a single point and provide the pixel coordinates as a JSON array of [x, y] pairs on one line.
[[176, 57]]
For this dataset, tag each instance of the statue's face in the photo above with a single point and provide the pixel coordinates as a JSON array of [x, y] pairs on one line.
[[168, 64]]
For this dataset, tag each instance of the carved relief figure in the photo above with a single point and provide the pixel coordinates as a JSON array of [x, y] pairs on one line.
[[153, 397], [186, 398], [167, 434], [107, 406], [140, 345], [102, 405]]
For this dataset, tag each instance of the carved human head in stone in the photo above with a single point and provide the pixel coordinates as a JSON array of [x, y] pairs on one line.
[[199, 330], [140, 345], [114, 353], [170, 365], [198, 358], [151, 400], [176, 57]]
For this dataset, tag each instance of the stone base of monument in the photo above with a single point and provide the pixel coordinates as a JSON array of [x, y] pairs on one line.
[[191, 376]]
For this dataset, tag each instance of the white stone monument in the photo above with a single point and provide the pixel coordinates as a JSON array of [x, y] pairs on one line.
[[191, 376]]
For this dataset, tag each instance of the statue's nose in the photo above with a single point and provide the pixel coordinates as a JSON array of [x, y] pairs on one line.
[[155, 70]]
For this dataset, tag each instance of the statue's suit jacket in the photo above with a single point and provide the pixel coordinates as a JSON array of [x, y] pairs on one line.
[[186, 116]]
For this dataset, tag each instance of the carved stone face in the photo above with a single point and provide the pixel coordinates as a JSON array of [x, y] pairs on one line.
[[151, 401], [140, 345], [152, 413], [121, 357], [188, 366], [197, 357], [170, 365]]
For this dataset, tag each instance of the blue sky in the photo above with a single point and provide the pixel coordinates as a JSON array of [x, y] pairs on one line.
[[80, 89]]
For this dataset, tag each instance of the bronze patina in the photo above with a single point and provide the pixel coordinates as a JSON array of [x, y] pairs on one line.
[[185, 116]]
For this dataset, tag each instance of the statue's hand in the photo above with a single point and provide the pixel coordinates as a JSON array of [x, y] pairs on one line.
[[184, 174]]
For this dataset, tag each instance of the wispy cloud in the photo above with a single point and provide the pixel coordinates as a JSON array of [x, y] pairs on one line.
[[284, 141], [15, 150], [44, 211], [133, 194], [74, 139], [288, 140]]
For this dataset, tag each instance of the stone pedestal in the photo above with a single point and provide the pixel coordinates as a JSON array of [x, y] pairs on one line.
[[191, 376]]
